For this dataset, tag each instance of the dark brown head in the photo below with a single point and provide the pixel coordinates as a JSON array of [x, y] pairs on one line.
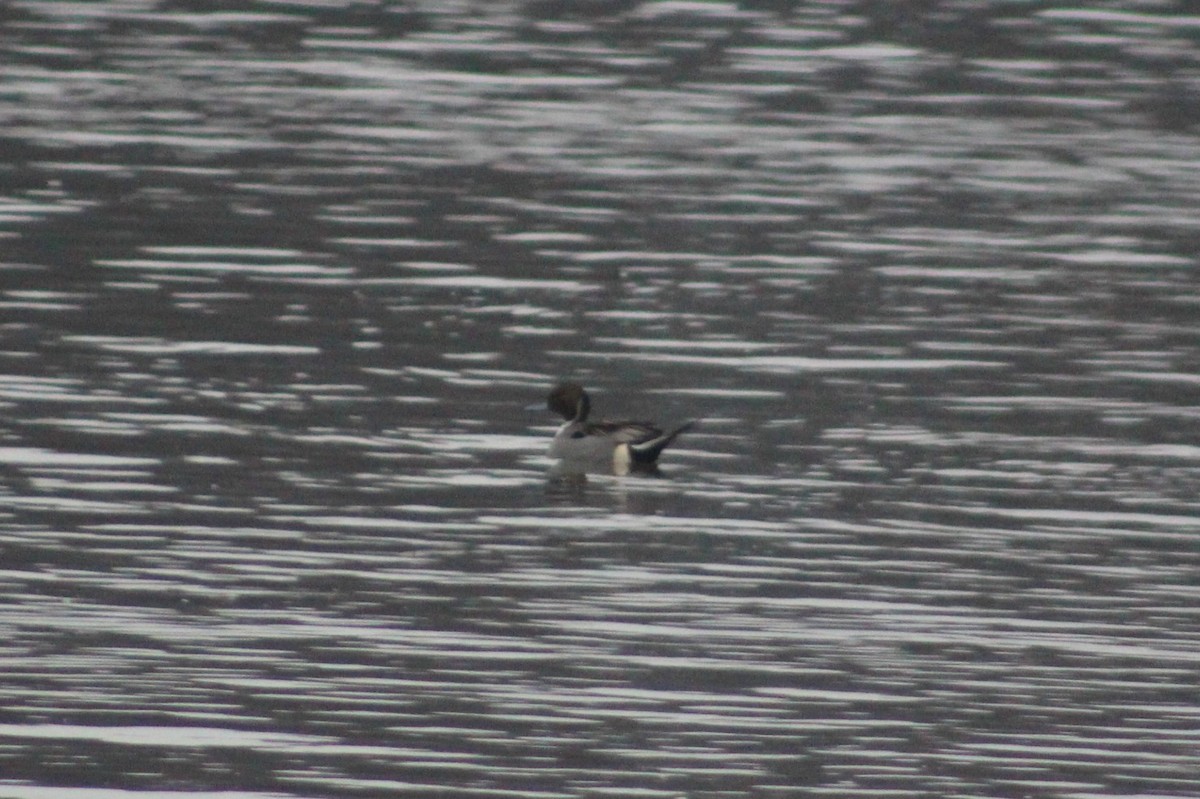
[[569, 401]]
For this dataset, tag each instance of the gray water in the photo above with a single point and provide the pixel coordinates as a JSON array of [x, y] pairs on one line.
[[278, 280]]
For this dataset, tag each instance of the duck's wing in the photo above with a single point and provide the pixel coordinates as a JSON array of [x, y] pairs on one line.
[[646, 452], [625, 432]]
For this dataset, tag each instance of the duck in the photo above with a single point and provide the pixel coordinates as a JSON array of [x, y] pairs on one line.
[[626, 446]]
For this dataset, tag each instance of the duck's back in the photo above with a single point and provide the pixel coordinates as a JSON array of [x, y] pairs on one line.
[[626, 432]]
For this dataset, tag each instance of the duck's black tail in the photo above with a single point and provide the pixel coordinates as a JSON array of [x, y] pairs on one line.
[[645, 453]]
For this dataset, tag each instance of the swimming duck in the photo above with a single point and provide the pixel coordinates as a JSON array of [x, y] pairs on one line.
[[625, 446]]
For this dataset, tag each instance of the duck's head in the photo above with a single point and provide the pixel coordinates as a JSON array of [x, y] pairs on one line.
[[569, 401]]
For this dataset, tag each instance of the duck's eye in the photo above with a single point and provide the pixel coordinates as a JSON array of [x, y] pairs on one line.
[[578, 434]]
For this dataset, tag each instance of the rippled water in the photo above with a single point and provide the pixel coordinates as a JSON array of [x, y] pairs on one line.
[[278, 281]]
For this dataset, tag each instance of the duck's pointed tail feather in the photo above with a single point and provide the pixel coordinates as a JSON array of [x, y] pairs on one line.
[[647, 452]]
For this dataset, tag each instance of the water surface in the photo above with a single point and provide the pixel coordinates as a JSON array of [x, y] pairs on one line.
[[277, 284]]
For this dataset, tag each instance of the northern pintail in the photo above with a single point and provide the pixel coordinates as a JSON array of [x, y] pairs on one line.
[[622, 446]]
